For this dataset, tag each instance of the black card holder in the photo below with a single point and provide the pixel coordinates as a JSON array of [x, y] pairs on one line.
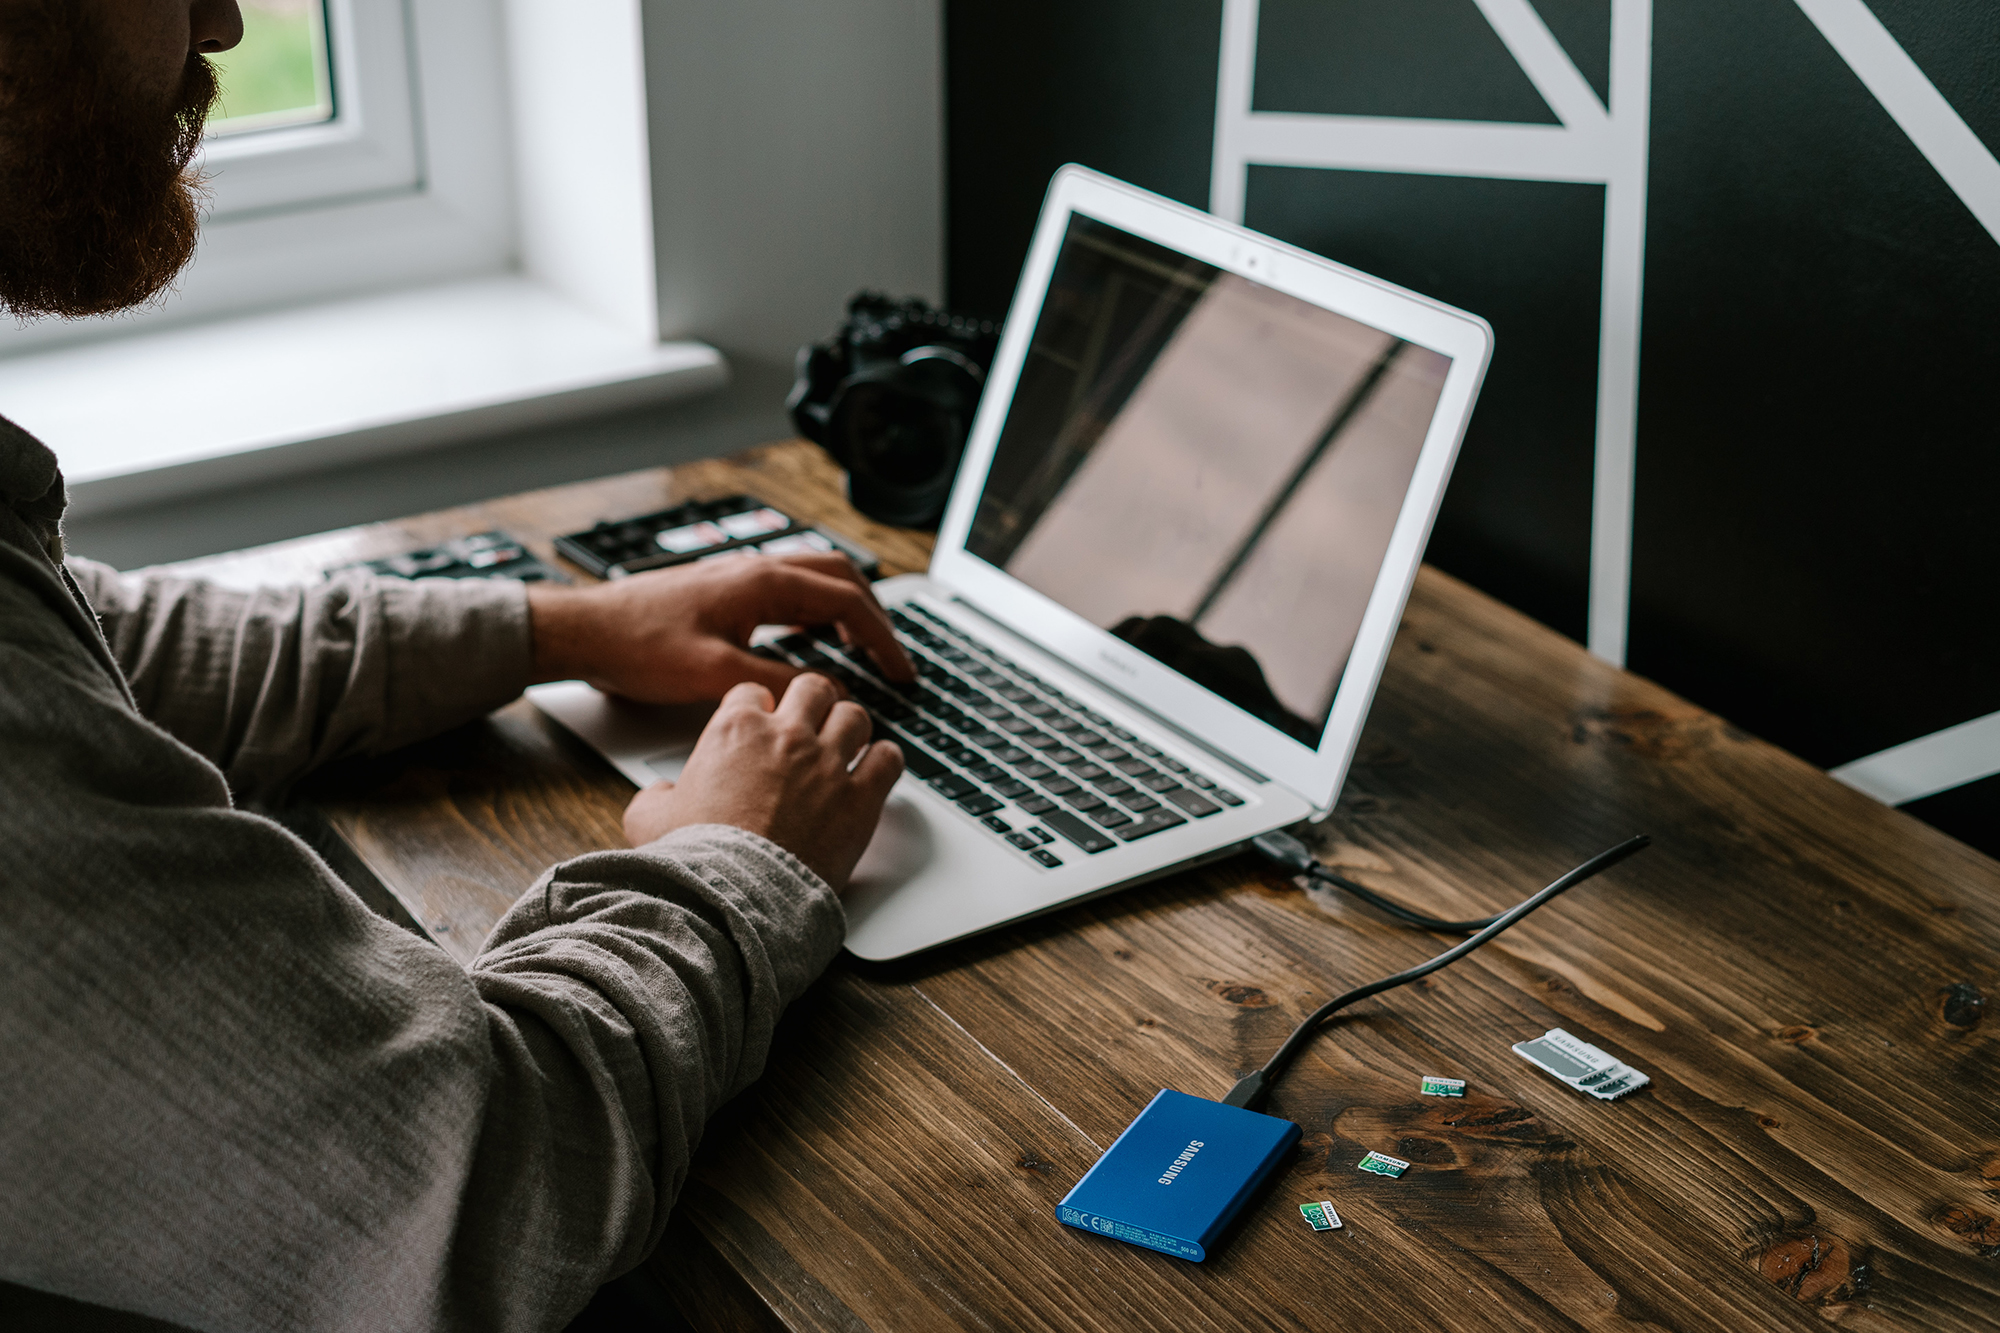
[[702, 530]]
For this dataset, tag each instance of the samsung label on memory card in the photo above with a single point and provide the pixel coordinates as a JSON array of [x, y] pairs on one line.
[[1581, 1065], [1178, 1174]]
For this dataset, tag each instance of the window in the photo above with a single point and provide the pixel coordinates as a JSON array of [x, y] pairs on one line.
[[362, 148], [317, 107], [281, 74], [413, 238]]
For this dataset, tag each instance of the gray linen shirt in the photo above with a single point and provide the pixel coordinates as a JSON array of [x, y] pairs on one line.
[[231, 1097]]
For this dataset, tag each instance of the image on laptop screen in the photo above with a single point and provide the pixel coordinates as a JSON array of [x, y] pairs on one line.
[[1206, 467]]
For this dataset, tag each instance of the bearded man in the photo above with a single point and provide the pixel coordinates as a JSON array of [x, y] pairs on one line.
[[230, 1096]]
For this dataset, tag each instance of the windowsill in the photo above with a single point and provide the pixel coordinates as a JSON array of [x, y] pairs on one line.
[[186, 411]]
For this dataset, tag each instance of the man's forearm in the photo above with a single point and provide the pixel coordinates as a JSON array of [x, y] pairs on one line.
[[272, 683]]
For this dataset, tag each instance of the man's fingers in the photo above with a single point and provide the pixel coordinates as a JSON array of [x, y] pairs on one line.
[[755, 668], [878, 770], [808, 699], [750, 694], [847, 729], [828, 562], [799, 594]]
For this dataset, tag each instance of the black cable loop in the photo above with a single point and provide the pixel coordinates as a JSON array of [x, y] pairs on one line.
[[1250, 1090]]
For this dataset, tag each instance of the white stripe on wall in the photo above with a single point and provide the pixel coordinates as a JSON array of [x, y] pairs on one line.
[[1913, 101], [1592, 145], [1930, 764]]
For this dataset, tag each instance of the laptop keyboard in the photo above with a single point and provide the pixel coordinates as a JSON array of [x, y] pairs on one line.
[[1032, 765]]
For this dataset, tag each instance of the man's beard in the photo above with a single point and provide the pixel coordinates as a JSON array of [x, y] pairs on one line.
[[98, 207]]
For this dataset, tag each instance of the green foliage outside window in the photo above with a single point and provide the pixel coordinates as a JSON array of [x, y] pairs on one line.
[[278, 74]]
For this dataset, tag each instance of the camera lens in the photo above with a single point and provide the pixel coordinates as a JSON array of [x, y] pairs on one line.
[[900, 430], [891, 399], [895, 436]]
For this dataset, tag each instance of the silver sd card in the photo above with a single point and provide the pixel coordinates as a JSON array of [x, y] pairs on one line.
[[1581, 1065]]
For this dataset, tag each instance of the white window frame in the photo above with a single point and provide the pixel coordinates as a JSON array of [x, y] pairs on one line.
[[511, 283], [341, 192], [369, 146], [779, 159]]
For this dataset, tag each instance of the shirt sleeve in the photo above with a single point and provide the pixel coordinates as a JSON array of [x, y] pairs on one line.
[[236, 1098], [270, 684]]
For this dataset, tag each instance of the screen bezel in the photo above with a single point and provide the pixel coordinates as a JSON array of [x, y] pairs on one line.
[[1314, 773]]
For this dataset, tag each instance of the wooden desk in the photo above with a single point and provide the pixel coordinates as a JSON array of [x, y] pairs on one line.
[[1803, 972]]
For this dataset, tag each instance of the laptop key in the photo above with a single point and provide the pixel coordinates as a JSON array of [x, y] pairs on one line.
[[1023, 841], [987, 772], [1157, 781], [1169, 762], [1060, 786], [953, 786], [997, 824], [1078, 832], [1226, 796], [1191, 801], [979, 803], [1138, 800], [1036, 770], [1111, 816], [1198, 780], [1039, 834], [1012, 788], [1084, 800], [1063, 756], [1151, 823], [924, 765], [1137, 768], [1046, 857], [1036, 805]]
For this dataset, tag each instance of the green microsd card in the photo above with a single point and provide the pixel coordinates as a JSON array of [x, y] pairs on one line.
[[1320, 1215], [1383, 1165], [1443, 1087]]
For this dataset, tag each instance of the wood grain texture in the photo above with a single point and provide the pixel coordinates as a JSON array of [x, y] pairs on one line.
[[1803, 972]]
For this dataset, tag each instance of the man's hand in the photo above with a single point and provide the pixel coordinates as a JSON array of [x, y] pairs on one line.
[[781, 769], [682, 635]]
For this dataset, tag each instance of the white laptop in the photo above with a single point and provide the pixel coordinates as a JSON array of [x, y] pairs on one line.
[[1194, 497]]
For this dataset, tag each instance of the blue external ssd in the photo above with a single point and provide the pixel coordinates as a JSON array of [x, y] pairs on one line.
[[1178, 1174]]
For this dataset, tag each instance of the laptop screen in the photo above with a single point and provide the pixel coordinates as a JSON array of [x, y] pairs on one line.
[[1206, 467]]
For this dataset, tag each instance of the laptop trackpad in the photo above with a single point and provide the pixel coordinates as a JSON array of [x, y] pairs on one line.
[[903, 845]]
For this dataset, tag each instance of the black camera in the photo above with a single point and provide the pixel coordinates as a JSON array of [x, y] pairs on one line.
[[891, 397]]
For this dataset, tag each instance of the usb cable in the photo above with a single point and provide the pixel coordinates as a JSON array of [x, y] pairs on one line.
[[1288, 851], [1281, 848]]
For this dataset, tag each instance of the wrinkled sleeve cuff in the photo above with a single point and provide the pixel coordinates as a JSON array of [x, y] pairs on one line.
[[766, 894], [458, 649]]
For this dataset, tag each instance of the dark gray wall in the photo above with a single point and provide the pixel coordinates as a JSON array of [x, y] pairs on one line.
[[1814, 552]]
